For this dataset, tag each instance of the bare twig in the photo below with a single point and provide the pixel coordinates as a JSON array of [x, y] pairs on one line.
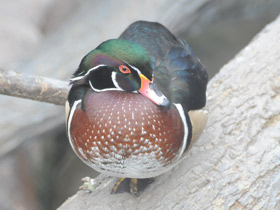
[[33, 87]]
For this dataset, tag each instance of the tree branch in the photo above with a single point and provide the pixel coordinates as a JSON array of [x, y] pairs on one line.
[[33, 87]]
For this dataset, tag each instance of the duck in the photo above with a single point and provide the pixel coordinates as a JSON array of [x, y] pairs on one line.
[[136, 104]]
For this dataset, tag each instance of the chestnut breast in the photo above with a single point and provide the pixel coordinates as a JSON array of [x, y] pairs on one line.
[[126, 133]]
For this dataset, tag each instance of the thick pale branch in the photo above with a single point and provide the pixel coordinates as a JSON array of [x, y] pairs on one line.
[[33, 87]]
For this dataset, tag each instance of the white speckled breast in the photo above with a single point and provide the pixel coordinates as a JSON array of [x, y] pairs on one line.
[[126, 135]]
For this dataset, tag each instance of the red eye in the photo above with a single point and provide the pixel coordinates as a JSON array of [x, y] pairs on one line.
[[124, 69]]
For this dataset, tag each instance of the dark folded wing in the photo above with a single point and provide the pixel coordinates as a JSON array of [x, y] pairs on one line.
[[178, 72]]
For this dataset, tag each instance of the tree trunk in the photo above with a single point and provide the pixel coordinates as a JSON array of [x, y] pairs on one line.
[[236, 162]]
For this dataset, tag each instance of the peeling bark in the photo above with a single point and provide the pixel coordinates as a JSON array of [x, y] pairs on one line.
[[236, 162]]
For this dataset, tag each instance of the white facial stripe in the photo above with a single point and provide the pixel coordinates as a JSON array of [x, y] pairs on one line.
[[113, 78], [76, 78], [70, 116], [186, 129], [81, 73], [136, 69], [96, 90], [114, 74], [88, 72], [102, 90]]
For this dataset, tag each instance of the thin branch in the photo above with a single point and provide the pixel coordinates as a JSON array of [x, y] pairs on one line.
[[33, 87]]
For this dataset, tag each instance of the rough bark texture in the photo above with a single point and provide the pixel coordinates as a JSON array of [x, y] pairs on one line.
[[33, 87], [236, 162]]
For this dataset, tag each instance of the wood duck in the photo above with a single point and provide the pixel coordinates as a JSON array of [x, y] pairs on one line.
[[133, 108]]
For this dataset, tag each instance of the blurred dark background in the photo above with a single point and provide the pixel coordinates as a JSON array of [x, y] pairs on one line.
[[38, 169]]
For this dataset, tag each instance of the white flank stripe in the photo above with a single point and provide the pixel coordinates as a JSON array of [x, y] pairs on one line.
[[186, 129], [72, 110]]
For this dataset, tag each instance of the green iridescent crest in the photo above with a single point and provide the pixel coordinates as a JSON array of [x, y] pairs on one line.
[[115, 52]]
